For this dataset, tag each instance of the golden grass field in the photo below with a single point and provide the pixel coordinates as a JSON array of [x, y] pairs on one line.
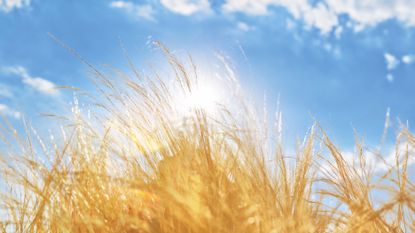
[[130, 166]]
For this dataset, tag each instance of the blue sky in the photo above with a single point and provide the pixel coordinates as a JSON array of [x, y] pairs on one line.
[[342, 62]]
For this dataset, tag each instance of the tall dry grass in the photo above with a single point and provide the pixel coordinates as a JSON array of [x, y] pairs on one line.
[[132, 166]]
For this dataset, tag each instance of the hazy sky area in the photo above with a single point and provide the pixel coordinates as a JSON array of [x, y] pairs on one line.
[[342, 62]]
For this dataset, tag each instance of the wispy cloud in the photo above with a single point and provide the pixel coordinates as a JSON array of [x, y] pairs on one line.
[[5, 91], [325, 14], [144, 11], [319, 16], [7, 111], [186, 7], [338, 31], [251, 7], [366, 13], [397, 154], [391, 61], [390, 78], [9, 5], [39, 84], [243, 26], [374, 162], [408, 58]]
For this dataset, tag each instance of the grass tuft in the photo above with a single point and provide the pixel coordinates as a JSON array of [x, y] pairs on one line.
[[138, 164]]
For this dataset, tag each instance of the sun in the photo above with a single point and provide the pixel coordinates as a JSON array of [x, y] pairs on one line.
[[203, 97]]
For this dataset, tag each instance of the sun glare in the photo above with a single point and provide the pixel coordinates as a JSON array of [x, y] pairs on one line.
[[204, 97], [206, 94]]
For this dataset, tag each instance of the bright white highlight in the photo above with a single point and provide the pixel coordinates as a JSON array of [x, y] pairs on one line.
[[204, 97], [207, 95]]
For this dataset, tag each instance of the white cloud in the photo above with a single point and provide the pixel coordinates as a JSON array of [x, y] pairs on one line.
[[243, 26], [7, 111], [394, 154], [370, 13], [377, 163], [252, 7], [121, 4], [324, 15], [408, 59], [9, 5], [390, 78], [42, 85], [144, 11], [320, 17], [186, 7], [391, 61]]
